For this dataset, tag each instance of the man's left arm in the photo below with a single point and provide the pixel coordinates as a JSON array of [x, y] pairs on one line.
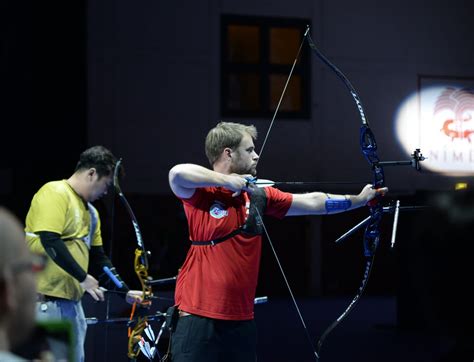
[[98, 260], [320, 203]]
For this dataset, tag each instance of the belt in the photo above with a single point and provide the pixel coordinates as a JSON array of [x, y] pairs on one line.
[[47, 298], [182, 313]]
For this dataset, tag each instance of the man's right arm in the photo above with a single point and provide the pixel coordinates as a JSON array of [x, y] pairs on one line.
[[58, 252], [185, 178]]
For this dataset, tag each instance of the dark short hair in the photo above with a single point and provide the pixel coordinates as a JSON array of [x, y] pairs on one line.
[[97, 157]]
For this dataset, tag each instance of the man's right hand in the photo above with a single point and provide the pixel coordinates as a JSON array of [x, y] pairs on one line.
[[237, 183], [91, 286]]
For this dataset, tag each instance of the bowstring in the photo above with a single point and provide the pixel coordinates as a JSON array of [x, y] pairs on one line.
[[282, 95], [258, 213]]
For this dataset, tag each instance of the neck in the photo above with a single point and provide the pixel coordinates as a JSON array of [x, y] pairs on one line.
[[75, 182], [222, 167]]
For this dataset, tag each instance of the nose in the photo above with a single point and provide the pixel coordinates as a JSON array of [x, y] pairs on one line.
[[255, 156]]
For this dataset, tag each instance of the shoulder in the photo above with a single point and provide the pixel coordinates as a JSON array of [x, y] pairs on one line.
[[278, 202], [55, 186], [53, 191], [204, 195], [275, 194]]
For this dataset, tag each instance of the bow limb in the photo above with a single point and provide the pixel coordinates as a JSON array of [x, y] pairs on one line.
[[368, 147], [141, 254], [141, 270]]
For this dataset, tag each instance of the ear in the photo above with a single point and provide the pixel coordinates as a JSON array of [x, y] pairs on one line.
[[227, 152], [91, 172]]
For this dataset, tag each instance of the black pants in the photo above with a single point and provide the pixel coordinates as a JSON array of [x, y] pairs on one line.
[[200, 339]]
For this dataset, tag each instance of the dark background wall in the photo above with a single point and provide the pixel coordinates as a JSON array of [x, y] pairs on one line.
[[143, 79], [44, 99]]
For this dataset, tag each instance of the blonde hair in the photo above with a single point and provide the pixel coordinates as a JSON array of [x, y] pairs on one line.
[[226, 134]]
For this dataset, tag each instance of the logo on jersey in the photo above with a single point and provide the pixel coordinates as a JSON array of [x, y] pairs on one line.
[[218, 210]]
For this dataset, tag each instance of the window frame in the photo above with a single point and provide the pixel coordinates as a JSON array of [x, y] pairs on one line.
[[264, 69]]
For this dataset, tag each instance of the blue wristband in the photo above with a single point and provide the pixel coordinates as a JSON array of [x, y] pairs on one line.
[[337, 205]]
